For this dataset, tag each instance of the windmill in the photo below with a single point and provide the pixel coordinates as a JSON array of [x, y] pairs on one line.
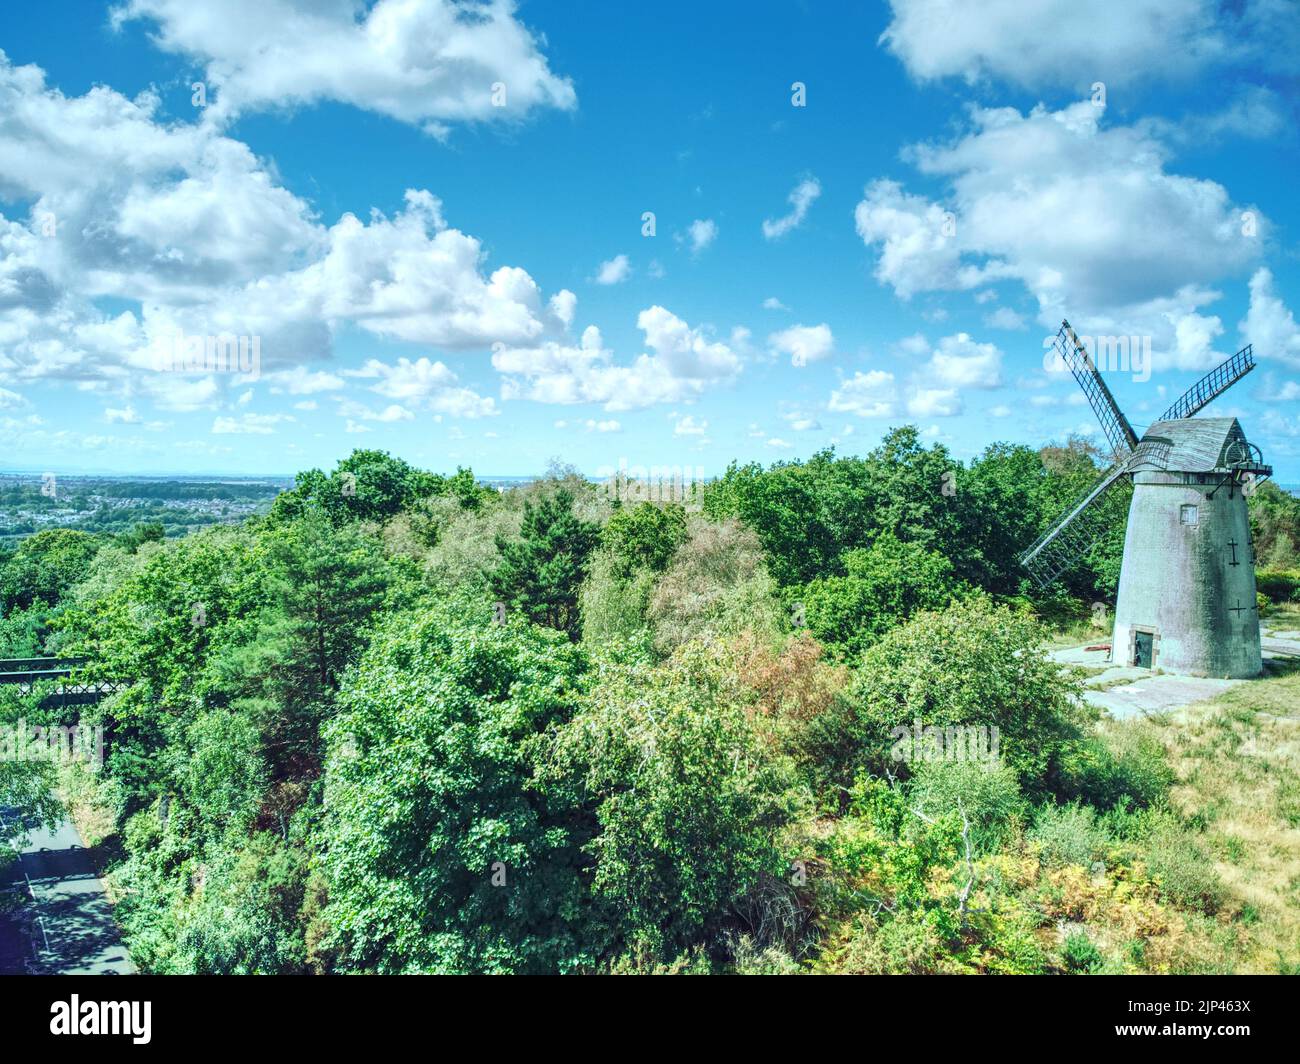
[[1187, 582]]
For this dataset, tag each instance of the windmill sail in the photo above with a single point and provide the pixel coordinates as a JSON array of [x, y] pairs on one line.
[[1071, 536], [1113, 422], [1212, 385]]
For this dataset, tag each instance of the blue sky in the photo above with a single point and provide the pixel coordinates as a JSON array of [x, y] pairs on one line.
[[430, 220]]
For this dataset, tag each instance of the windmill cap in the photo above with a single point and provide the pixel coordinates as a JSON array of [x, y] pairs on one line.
[[1201, 445]]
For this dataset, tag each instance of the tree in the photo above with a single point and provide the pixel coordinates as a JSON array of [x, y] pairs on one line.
[[883, 586], [688, 802], [441, 854], [45, 566], [972, 665], [540, 574], [644, 536]]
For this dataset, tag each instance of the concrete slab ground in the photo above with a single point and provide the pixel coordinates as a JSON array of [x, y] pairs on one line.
[[1157, 694], [1125, 692]]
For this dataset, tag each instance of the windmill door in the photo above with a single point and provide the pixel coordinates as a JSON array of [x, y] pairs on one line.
[[1142, 643]]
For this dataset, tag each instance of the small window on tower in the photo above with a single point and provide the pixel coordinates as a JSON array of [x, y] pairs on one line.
[[1188, 515]]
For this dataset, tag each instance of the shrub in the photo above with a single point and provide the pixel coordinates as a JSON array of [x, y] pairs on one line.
[[1278, 585], [987, 794], [1124, 764], [882, 586], [1079, 955], [613, 606], [688, 804], [439, 853], [1069, 834], [716, 585], [1181, 868], [973, 665]]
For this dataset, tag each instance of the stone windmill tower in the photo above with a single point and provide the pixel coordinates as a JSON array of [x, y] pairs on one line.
[[1187, 584]]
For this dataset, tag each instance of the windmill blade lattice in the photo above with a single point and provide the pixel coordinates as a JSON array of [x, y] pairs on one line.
[[1212, 385], [1113, 422]]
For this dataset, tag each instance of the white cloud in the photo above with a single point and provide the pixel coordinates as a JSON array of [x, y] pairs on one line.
[[779, 444], [124, 416], [1120, 246], [803, 343], [1269, 325], [302, 381], [960, 362], [800, 421], [426, 384], [429, 63], [772, 303], [870, 394], [700, 234], [934, 402], [615, 270], [1039, 43], [252, 424], [801, 198], [187, 225], [681, 363], [360, 412], [1005, 318], [603, 425], [689, 426]]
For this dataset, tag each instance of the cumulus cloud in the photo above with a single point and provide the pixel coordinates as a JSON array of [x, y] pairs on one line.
[[1269, 324], [801, 198], [426, 384], [681, 362], [429, 63], [615, 270], [960, 362], [934, 402], [1041, 43], [803, 343], [1119, 246], [870, 394], [188, 229], [700, 234]]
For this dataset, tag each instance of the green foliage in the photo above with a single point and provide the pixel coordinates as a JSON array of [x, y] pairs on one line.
[[644, 536], [614, 606], [1279, 585], [973, 665], [1069, 834], [986, 795], [541, 573], [1181, 867], [430, 796], [220, 773], [23, 632], [882, 586], [1117, 766], [687, 802], [1079, 955], [1275, 527], [44, 567], [372, 485]]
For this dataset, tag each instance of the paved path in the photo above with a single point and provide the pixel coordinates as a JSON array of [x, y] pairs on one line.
[[68, 928], [1124, 691]]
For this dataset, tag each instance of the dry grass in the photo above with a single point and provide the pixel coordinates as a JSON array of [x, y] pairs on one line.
[[1237, 759]]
